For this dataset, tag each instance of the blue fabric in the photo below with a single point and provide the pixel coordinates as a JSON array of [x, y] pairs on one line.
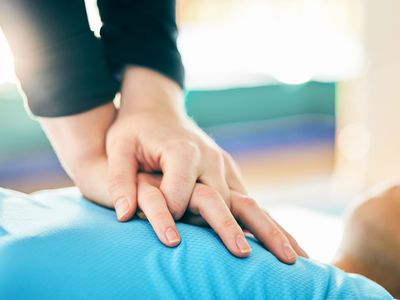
[[57, 245]]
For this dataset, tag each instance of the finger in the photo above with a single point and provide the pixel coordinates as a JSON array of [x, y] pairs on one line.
[[209, 204], [217, 182], [122, 169], [153, 180], [214, 177], [300, 251], [152, 203], [247, 211], [233, 175], [179, 166]]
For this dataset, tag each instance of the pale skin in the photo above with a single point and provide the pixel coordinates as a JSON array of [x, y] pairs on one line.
[[112, 155]]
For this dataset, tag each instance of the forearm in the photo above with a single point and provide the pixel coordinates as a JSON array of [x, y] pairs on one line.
[[79, 142]]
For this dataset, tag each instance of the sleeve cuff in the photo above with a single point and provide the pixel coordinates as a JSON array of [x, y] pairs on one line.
[[123, 50], [69, 78]]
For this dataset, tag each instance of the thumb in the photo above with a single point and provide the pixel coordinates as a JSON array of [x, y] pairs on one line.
[[122, 186]]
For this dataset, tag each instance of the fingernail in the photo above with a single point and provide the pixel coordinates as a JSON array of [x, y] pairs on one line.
[[242, 244], [171, 235], [289, 252], [122, 207]]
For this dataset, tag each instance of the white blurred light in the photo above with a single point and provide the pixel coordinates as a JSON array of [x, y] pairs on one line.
[[6, 62], [289, 42], [320, 242], [354, 141], [293, 71], [93, 16]]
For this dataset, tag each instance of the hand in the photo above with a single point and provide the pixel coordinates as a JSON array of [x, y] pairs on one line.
[[79, 141], [211, 207], [152, 133]]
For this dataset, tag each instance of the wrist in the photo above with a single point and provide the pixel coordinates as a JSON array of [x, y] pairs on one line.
[[145, 90], [79, 138]]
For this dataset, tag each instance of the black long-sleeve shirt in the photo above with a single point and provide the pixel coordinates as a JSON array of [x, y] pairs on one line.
[[64, 69]]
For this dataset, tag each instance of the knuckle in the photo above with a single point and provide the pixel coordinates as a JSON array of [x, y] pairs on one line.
[[124, 146], [187, 149], [176, 208], [175, 183], [274, 234], [249, 203], [220, 156], [162, 215], [175, 196], [228, 223], [205, 191], [292, 240], [116, 181], [148, 193], [231, 164], [216, 157], [228, 157]]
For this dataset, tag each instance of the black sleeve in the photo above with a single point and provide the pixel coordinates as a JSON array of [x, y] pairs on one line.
[[60, 63], [143, 33]]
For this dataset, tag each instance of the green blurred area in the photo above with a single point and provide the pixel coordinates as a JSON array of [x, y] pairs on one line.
[[19, 133], [215, 107]]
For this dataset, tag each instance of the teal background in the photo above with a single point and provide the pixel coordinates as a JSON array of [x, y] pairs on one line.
[[215, 107], [239, 119], [19, 133]]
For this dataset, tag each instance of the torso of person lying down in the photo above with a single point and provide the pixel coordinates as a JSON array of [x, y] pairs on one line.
[[57, 245]]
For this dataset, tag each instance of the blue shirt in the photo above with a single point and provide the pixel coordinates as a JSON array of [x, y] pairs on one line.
[[57, 245]]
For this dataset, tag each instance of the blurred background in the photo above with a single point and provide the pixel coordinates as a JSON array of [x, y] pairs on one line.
[[304, 94]]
